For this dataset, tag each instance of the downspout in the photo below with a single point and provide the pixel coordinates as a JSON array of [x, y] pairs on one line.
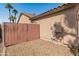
[[77, 38], [77, 18]]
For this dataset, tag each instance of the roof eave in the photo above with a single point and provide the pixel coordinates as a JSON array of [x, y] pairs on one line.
[[53, 12]]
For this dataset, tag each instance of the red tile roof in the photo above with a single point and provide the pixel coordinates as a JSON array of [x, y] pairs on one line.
[[50, 12], [53, 11]]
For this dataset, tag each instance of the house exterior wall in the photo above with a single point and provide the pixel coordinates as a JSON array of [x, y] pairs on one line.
[[24, 19], [66, 18]]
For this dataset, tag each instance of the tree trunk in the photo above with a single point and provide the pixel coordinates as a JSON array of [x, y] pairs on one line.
[[9, 16]]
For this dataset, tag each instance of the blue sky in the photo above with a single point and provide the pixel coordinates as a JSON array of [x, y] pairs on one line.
[[31, 8]]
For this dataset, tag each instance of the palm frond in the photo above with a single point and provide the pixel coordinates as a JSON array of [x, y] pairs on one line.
[[8, 5]]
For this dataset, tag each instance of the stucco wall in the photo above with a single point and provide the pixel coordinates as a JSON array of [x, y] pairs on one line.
[[66, 18], [24, 19]]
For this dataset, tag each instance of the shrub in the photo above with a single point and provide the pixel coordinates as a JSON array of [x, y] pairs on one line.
[[74, 48]]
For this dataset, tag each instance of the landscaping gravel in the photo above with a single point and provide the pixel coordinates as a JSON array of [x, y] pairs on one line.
[[38, 48]]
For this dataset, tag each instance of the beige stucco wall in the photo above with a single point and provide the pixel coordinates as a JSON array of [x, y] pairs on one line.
[[24, 19], [66, 18]]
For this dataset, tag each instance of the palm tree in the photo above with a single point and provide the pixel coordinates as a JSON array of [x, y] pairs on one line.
[[9, 7], [15, 12], [12, 18]]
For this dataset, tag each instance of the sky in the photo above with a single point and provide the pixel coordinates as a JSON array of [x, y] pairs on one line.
[[31, 8]]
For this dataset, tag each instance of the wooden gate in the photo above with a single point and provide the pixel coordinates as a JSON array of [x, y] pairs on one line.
[[17, 33]]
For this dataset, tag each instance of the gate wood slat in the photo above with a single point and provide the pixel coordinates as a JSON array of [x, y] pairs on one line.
[[33, 31], [17, 33]]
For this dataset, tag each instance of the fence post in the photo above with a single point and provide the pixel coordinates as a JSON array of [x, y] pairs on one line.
[[3, 43]]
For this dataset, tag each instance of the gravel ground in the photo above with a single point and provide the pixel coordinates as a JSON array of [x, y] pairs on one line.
[[1, 48], [37, 48]]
